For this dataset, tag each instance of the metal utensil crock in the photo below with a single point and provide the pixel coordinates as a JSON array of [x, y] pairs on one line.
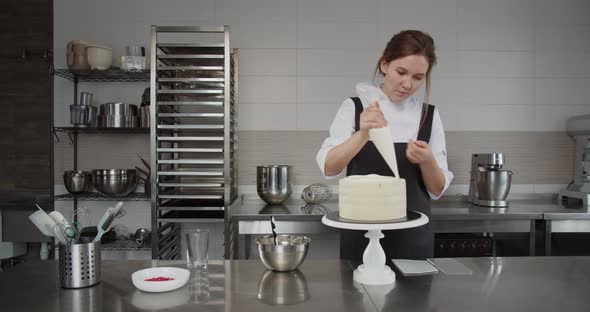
[[79, 265]]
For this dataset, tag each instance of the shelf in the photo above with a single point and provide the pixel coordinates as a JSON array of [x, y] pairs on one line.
[[109, 75], [101, 130], [125, 245], [100, 197]]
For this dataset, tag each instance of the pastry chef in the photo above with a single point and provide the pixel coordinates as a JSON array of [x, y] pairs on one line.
[[418, 138]]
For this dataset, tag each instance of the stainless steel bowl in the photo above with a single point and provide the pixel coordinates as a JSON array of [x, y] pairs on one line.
[[114, 182], [282, 288], [78, 182], [286, 255], [273, 183], [493, 185]]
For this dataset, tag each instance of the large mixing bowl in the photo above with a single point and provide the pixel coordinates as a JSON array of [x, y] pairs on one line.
[[286, 255], [114, 182], [273, 183], [78, 182], [493, 185]]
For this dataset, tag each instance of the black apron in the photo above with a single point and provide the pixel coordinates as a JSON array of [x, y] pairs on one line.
[[414, 243]]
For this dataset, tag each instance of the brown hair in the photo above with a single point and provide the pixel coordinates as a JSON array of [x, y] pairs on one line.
[[410, 42]]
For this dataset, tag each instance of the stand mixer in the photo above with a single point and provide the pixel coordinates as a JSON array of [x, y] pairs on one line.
[[579, 128], [489, 184]]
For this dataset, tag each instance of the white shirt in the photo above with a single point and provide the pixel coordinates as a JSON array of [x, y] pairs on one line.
[[403, 120]]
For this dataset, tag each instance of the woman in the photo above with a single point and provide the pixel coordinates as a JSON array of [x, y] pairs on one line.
[[418, 137]]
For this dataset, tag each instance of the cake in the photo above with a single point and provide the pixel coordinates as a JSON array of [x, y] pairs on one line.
[[372, 197]]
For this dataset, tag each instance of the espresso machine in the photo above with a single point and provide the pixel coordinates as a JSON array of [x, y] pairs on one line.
[[578, 127], [489, 184]]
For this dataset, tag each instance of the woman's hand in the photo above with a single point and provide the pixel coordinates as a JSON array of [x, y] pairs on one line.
[[418, 152], [372, 117]]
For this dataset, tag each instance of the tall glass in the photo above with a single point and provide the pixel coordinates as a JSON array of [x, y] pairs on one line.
[[197, 246]]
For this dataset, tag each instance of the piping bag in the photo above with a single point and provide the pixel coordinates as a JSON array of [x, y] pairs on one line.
[[381, 137]]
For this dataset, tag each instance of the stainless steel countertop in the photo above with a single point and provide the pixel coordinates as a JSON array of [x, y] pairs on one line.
[[453, 208], [496, 284]]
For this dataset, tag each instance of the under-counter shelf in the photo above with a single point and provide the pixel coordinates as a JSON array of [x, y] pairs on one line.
[[109, 75], [100, 197], [101, 130]]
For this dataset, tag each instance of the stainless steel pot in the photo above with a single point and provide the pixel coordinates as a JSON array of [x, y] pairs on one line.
[[117, 121], [114, 182], [493, 185], [118, 108], [273, 183], [78, 182]]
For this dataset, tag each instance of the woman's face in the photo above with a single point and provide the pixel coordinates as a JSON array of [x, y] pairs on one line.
[[403, 76]]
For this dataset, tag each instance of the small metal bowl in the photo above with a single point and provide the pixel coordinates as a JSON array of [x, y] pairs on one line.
[[286, 255], [78, 182]]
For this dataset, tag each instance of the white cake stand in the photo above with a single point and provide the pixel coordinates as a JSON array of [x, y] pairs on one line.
[[373, 271]]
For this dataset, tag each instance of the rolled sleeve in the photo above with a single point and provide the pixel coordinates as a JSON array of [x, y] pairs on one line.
[[438, 146], [341, 129]]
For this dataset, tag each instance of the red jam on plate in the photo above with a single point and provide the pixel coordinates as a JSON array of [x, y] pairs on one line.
[[159, 279]]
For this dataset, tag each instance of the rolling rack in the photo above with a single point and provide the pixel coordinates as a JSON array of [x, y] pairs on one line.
[[193, 141]]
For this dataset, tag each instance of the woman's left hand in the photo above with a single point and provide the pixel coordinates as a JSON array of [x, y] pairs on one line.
[[418, 152]]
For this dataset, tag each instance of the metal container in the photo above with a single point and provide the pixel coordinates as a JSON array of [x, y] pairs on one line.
[[114, 182], [286, 255], [85, 98], [273, 183], [79, 115], [118, 108], [117, 121], [79, 265], [77, 181], [493, 185], [282, 288], [144, 117]]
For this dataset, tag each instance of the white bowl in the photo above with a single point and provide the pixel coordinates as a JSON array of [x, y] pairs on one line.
[[180, 276], [99, 57]]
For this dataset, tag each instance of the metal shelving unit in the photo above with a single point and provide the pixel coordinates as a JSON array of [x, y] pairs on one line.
[[193, 140], [100, 197], [111, 75]]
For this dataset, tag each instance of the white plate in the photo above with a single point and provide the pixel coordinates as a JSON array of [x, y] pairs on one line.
[[180, 278]]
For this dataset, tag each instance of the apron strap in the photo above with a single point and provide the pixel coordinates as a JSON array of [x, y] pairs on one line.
[[358, 109], [426, 123]]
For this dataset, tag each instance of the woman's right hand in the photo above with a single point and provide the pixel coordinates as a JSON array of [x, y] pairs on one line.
[[372, 117]]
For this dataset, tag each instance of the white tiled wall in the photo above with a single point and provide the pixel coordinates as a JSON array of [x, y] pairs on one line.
[[520, 61]]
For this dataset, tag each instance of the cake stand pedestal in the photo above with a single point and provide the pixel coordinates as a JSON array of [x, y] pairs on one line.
[[373, 271]]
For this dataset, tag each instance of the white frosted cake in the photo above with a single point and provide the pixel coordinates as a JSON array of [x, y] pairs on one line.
[[372, 197]]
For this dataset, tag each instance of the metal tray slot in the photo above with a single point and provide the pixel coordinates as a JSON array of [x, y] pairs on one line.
[[188, 150], [191, 161], [188, 138], [191, 173]]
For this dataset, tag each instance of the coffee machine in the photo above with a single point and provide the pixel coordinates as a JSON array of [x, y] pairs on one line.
[[578, 127], [489, 184]]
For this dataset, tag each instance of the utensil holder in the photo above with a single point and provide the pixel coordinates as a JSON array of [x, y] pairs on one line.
[[79, 265]]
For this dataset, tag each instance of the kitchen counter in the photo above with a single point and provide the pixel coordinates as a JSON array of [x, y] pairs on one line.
[[495, 284], [249, 215], [453, 208]]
